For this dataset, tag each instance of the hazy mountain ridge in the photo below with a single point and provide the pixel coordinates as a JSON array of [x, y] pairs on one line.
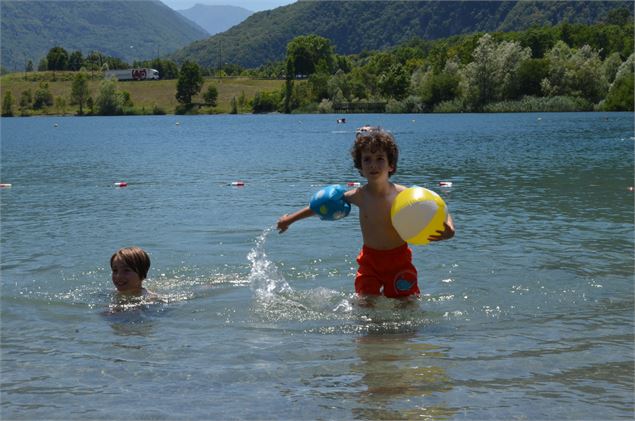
[[215, 19], [354, 26], [143, 29], [129, 29]]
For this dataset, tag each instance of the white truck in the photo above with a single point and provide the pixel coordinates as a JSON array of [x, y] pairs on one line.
[[133, 74]]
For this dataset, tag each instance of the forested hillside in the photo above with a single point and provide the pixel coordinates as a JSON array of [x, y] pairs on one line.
[[128, 29], [355, 26]]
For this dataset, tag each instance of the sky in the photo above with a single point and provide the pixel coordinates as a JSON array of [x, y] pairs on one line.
[[253, 5]]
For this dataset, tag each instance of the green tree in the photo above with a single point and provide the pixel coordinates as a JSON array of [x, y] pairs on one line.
[[79, 91], [339, 85], [75, 61], [242, 99], [611, 65], [620, 95], [57, 59], [434, 88], [43, 65], [26, 98], [43, 97], [309, 54], [94, 60], [575, 72], [530, 74], [318, 83], [106, 101], [211, 96], [509, 58], [539, 40], [167, 69], [493, 73], [7, 105], [586, 75], [189, 83], [90, 103], [109, 101], [359, 83], [394, 82], [555, 82], [480, 77], [60, 105], [266, 102]]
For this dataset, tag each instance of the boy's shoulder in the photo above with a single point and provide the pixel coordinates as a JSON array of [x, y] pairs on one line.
[[399, 187]]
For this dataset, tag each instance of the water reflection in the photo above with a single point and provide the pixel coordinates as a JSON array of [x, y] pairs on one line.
[[401, 377]]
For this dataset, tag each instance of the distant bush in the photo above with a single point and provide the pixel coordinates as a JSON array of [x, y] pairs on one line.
[[182, 109], [540, 104], [43, 97], [7, 105], [325, 107], [266, 102]]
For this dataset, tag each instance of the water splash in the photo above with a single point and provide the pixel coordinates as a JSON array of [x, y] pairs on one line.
[[321, 310], [265, 279], [276, 300]]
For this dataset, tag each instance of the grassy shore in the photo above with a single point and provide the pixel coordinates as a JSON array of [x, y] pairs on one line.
[[146, 95]]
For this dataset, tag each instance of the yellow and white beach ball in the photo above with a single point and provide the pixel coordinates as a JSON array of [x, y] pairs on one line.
[[418, 213]]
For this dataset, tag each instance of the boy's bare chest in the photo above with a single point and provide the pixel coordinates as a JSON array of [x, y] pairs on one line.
[[376, 210]]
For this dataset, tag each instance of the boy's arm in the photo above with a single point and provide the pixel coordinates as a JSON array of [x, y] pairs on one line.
[[286, 220], [447, 233]]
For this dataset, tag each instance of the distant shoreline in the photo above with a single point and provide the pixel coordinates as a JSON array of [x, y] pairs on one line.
[[157, 97]]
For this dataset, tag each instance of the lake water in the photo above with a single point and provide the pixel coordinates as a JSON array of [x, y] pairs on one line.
[[528, 313]]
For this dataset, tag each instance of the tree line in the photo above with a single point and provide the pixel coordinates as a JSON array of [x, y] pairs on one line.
[[562, 68], [569, 67]]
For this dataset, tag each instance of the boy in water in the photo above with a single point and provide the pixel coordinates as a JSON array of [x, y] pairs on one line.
[[130, 267], [385, 261]]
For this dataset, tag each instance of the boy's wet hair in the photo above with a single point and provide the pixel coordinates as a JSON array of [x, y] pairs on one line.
[[374, 138], [135, 258]]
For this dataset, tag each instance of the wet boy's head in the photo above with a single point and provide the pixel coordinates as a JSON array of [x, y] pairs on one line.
[[375, 139], [133, 257]]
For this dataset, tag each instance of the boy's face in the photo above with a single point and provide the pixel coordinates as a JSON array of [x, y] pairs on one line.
[[125, 278], [375, 164]]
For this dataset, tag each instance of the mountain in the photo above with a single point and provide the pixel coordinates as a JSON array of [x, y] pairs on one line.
[[355, 26], [215, 19], [128, 29]]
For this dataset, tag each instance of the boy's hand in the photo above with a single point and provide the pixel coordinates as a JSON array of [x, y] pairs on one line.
[[446, 234], [283, 223]]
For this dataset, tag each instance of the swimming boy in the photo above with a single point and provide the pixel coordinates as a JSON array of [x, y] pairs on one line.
[[130, 267], [385, 261]]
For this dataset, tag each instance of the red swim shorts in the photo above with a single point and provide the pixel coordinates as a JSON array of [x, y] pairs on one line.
[[391, 269]]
